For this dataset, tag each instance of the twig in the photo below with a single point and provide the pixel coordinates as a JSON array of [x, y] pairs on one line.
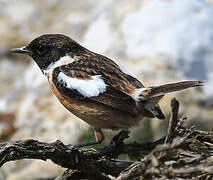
[[173, 120], [77, 159]]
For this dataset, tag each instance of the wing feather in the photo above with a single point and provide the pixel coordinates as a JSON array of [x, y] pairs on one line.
[[112, 97]]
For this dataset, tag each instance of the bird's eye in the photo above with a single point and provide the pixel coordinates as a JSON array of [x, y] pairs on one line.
[[42, 50]]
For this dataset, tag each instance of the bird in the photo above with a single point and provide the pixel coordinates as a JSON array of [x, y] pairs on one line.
[[95, 88]]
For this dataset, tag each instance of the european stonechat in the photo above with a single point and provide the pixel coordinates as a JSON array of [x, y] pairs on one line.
[[95, 88]]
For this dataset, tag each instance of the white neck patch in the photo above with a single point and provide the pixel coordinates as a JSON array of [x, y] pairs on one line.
[[62, 61], [87, 88]]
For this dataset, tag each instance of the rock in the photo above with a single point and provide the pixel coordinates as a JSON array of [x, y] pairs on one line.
[[35, 169], [181, 31]]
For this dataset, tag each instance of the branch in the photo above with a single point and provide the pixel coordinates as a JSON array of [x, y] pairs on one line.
[[173, 120], [76, 159], [186, 152], [188, 157]]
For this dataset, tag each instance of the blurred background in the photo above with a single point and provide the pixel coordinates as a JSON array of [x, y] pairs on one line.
[[159, 41]]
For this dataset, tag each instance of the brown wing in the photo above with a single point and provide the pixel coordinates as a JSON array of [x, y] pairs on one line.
[[112, 97], [118, 100], [95, 64]]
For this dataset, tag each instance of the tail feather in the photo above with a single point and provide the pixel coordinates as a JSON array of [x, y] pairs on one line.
[[155, 91], [159, 113], [150, 96], [151, 106]]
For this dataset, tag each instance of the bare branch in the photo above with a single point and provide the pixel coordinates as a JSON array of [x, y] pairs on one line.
[[173, 120], [187, 154], [99, 159]]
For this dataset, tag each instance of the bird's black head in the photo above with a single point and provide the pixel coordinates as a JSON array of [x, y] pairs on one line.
[[49, 48]]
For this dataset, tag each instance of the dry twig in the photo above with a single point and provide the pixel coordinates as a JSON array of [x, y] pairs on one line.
[[186, 153]]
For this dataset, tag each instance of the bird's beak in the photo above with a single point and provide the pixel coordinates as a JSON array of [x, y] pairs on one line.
[[21, 50]]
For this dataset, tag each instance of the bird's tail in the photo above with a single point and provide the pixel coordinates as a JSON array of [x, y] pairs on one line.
[[150, 96], [159, 91]]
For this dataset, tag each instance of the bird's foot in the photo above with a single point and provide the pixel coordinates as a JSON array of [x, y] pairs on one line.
[[94, 142], [119, 138]]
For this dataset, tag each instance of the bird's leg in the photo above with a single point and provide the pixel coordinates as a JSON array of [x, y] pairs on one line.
[[119, 138], [99, 137]]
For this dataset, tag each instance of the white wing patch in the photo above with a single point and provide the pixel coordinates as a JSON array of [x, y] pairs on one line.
[[137, 93], [88, 88]]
